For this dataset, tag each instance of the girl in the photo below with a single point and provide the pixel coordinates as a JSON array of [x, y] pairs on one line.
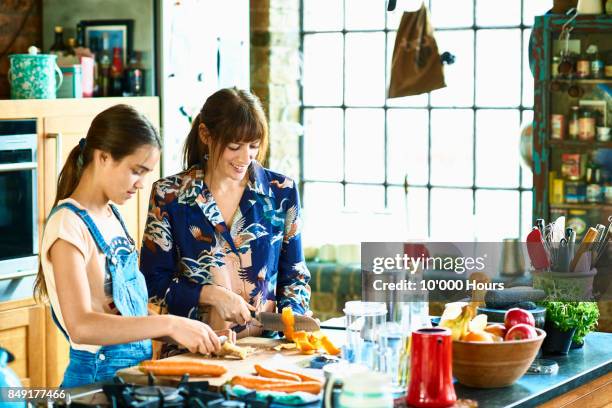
[[89, 270], [223, 237]]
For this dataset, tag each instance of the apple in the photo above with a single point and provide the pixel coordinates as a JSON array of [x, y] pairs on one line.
[[515, 316], [496, 329], [521, 331]]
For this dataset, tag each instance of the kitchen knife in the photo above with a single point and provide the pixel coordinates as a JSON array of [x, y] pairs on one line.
[[585, 246], [274, 322]]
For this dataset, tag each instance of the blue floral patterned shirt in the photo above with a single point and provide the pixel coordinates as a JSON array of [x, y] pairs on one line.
[[187, 244]]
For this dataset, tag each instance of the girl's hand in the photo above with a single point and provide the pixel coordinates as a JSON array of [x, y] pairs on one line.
[[195, 336], [229, 333]]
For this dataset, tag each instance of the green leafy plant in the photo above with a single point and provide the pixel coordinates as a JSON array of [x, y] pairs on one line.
[[588, 314], [568, 315]]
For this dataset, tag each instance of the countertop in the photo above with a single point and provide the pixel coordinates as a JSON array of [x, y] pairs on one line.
[[579, 367]]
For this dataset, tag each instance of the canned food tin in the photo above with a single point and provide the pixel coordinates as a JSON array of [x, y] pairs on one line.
[[557, 126]]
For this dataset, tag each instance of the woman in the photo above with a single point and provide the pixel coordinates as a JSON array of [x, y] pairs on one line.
[[223, 237], [89, 264]]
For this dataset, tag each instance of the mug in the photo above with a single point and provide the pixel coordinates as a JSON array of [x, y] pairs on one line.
[[365, 390], [33, 76]]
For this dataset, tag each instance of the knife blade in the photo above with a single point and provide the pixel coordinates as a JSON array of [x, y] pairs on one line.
[[274, 322]]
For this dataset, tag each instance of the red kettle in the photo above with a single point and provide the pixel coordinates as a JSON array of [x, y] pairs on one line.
[[431, 369]]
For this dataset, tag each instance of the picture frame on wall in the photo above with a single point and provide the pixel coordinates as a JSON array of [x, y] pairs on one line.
[[120, 33]]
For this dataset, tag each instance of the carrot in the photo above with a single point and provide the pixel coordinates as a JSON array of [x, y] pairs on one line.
[[302, 377], [329, 346], [288, 322], [313, 387], [300, 335], [254, 382], [264, 372], [181, 367]]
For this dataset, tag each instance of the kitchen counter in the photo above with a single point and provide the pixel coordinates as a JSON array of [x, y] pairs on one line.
[[579, 367]]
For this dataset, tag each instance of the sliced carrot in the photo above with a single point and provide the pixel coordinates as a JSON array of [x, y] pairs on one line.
[[252, 381], [306, 347], [313, 387], [181, 367], [302, 377], [265, 372], [289, 322], [300, 335], [329, 347]]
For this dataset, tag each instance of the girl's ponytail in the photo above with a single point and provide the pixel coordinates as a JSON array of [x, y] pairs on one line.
[[69, 176]]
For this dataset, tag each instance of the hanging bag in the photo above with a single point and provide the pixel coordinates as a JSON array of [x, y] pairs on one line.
[[415, 67]]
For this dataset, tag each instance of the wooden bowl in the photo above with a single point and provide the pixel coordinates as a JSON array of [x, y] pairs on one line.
[[493, 365]]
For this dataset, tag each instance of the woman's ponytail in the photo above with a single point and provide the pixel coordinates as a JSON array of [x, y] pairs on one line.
[[194, 150]]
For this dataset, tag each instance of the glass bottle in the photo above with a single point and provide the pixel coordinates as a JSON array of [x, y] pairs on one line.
[[58, 48], [597, 64], [117, 73], [134, 76], [71, 46], [586, 125], [583, 66], [574, 121]]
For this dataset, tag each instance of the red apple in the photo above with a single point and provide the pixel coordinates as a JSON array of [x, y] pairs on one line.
[[496, 329], [515, 316], [521, 331]]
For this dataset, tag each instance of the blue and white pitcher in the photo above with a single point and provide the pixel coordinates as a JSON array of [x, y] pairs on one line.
[[33, 76]]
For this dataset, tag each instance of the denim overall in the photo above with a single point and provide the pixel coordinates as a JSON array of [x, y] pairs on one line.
[[130, 297]]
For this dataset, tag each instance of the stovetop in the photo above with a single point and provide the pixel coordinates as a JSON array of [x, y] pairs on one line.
[[118, 394]]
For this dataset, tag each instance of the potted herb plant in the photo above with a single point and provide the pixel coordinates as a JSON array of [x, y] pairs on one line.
[[562, 320], [588, 314]]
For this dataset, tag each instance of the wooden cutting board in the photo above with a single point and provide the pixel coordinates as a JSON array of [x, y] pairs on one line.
[[264, 354]]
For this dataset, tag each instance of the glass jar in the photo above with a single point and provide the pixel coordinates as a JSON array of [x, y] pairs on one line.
[[586, 125], [583, 66]]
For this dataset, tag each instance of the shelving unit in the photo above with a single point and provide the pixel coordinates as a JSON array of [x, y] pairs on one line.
[[549, 100]]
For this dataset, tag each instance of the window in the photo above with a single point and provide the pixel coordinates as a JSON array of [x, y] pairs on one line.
[[455, 151]]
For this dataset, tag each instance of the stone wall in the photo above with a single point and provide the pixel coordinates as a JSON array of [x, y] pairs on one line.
[[20, 27], [275, 74]]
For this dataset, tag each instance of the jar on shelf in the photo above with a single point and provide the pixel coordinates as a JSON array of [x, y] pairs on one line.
[[608, 69], [573, 125], [575, 192], [557, 126], [593, 186], [583, 66], [597, 63], [586, 125], [578, 221]]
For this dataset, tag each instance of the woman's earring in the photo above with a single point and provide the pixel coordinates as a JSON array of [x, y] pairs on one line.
[[205, 156]]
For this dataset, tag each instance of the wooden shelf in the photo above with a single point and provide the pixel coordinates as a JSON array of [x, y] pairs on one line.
[[582, 206], [579, 144], [584, 81]]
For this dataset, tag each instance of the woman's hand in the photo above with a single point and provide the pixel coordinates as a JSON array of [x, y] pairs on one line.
[[230, 306], [195, 336]]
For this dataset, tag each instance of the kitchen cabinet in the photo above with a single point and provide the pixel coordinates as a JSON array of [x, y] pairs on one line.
[[22, 332], [563, 161], [26, 329]]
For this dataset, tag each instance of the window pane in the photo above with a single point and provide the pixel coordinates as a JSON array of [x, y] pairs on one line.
[[497, 148], [365, 199], [527, 212], [459, 77], [322, 197], [407, 145], [323, 203], [322, 15], [365, 69], [451, 147], [365, 15], [497, 215], [496, 13], [498, 67], [533, 8], [365, 148], [323, 151], [451, 215], [452, 13], [411, 209], [526, 145], [323, 69], [527, 75], [416, 100]]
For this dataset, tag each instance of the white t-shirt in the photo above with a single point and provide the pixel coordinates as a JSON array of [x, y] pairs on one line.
[[67, 225]]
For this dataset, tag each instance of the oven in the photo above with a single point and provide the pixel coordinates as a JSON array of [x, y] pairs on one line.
[[18, 199]]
